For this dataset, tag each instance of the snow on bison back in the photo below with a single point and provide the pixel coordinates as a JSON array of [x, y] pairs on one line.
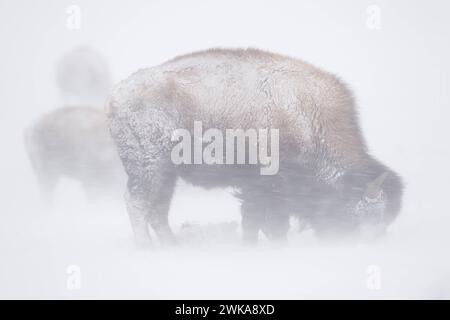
[[326, 176]]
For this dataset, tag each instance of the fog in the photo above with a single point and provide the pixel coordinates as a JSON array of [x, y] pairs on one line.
[[398, 71]]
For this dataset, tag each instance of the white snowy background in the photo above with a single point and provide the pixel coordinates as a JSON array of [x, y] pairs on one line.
[[400, 77]]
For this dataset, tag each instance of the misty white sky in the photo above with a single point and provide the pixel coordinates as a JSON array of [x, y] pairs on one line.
[[399, 75]]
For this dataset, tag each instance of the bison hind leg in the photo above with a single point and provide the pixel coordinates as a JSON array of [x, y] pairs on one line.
[[151, 184], [159, 215], [47, 179], [47, 184], [143, 135], [136, 208], [148, 203]]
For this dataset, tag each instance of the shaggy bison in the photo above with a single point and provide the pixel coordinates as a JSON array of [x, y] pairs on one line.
[[326, 176]]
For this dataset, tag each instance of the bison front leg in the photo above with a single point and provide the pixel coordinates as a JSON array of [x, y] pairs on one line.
[[262, 210], [252, 222], [276, 225]]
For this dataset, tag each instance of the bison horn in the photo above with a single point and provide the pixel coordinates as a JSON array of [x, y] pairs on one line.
[[374, 187]]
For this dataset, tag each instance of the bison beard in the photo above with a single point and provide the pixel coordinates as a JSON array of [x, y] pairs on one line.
[[326, 176]]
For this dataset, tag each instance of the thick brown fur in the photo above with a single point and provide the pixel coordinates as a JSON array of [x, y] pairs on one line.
[[324, 163]]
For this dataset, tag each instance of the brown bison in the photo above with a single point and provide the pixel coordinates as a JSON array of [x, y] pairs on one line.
[[326, 176]]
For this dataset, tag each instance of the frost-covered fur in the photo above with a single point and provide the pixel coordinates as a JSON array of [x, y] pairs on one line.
[[75, 142], [324, 164]]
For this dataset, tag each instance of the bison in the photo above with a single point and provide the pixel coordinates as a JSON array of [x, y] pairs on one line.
[[326, 176], [75, 142]]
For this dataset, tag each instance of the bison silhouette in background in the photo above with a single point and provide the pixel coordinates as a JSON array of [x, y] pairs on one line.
[[75, 142], [326, 176]]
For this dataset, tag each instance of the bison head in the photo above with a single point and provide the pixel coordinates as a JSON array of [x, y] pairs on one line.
[[364, 204], [374, 206]]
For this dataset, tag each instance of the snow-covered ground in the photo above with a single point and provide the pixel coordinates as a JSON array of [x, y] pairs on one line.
[[37, 249], [400, 77]]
